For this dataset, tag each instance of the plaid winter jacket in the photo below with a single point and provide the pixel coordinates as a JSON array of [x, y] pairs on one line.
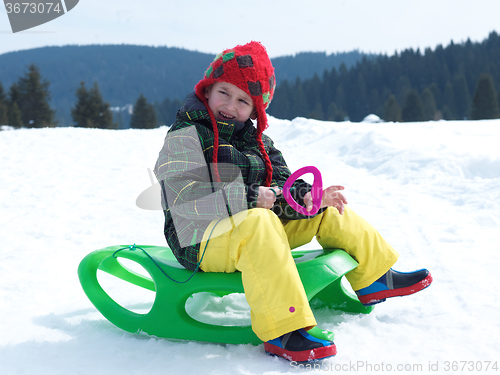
[[191, 199]]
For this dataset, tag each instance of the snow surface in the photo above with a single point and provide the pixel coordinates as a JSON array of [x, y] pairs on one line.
[[432, 189]]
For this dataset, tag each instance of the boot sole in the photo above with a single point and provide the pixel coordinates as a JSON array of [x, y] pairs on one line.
[[302, 356]]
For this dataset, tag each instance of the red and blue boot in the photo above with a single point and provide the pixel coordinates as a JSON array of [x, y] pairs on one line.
[[300, 346], [394, 284]]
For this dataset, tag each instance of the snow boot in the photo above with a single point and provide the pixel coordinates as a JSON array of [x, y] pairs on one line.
[[394, 284], [300, 346]]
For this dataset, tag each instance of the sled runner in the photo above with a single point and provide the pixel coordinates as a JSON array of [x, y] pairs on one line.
[[321, 272]]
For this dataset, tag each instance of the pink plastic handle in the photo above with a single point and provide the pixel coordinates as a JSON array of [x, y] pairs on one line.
[[316, 191]]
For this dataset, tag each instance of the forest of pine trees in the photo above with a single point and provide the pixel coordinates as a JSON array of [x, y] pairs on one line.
[[26, 104], [456, 82], [409, 86]]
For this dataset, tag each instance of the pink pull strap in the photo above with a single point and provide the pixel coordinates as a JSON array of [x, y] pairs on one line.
[[316, 191]]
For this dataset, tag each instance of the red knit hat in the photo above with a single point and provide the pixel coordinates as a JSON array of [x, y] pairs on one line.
[[249, 68]]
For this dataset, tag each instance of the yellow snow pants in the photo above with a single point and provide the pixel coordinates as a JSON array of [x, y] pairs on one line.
[[259, 247]]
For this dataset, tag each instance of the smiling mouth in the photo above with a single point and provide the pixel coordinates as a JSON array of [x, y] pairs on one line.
[[226, 116]]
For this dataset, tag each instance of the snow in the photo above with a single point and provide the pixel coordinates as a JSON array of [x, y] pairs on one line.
[[432, 189], [372, 118]]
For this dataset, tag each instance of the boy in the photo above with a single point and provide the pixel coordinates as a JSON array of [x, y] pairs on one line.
[[221, 179]]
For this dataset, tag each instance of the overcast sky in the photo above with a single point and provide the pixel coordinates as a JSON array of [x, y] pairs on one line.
[[285, 27]]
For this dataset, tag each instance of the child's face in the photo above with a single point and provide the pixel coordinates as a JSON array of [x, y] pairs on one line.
[[229, 102]]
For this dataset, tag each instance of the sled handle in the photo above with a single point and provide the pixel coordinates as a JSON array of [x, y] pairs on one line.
[[316, 190]]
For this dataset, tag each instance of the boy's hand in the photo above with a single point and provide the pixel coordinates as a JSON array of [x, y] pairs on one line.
[[331, 198], [267, 196]]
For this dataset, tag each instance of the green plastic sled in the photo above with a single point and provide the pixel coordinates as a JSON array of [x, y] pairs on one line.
[[321, 272]]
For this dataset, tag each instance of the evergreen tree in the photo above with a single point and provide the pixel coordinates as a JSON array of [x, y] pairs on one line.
[[462, 96], [436, 93], [328, 83], [14, 114], [361, 102], [429, 105], [280, 106], [3, 97], [104, 118], [392, 110], [449, 107], [299, 102], [312, 91], [340, 97], [34, 97], [14, 94], [375, 106], [317, 112], [167, 110], [485, 102], [91, 111], [4, 120], [403, 88], [335, 113], [413, 110], [143, 116], [82, 112]]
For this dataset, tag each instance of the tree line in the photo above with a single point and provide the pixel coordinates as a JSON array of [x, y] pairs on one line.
[[160, 72], [26, 104], [453, 83], [460, 81]]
